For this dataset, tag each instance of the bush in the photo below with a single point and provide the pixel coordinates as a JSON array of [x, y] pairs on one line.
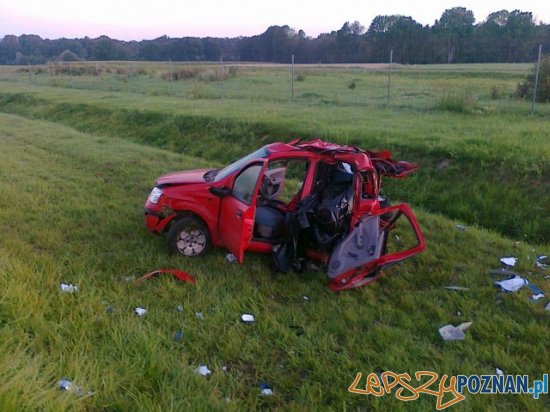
[[465, 103], [525, 89], [300, 78]]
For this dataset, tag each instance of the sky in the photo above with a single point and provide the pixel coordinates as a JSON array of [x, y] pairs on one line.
[[138, 19]]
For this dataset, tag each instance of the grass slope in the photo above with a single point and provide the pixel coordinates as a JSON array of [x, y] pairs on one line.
[[499, 162], [70, 211]]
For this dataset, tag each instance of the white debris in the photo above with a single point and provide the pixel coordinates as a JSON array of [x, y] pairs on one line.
[[247, 318], [266, 390], [455, 288], [512, 285], [203, 370], [129, 278], [540, 262], [450, 332], [547, 307], [499, 372], [538, 296], [140, 311], [68, 288], [462, 227], [509, 261], [65, 385], [231, 258], [199, 315], [305, 297], [179, 308]]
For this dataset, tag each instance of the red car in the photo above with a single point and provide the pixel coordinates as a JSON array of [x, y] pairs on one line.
[[300, 200]]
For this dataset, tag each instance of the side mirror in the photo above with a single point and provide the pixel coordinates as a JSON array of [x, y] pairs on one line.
[[220, 191]]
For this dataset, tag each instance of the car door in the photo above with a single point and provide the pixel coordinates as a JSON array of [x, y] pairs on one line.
[[238, 209]]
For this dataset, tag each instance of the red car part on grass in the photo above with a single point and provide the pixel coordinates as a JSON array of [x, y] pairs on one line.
[[314, 199]]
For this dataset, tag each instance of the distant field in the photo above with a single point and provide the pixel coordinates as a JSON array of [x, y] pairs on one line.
[[81, 147]]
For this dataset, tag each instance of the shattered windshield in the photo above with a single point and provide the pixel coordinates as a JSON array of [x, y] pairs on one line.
[[239, 164]]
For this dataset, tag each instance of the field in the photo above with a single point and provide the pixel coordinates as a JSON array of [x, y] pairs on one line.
[[81, 147]]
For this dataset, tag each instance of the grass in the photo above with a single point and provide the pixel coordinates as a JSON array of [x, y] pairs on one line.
[[499, 154], [77, 163]]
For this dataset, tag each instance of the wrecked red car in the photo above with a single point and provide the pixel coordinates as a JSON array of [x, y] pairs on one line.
[[300, 201]]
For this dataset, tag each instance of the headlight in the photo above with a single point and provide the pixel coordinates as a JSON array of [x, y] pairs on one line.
[[155, 195]]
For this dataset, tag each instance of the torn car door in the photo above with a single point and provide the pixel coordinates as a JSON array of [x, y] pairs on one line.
[[358, 259]]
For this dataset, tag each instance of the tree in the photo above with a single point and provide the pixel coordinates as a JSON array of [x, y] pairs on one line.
[[455, 29]]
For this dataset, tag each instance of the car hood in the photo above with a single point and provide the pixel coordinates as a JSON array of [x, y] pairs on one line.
[[186, 177]]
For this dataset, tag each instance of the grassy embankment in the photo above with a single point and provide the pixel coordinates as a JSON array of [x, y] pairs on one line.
[[70, 211], [498, 156]]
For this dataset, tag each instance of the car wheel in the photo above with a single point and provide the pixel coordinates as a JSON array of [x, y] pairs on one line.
[[189, 237]]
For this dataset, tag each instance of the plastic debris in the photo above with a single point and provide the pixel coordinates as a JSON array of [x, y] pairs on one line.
[[179, 308], [140, 311], [129, 278], [537, 293], [547, 307], [499, 372], [502, 272], [179, 335], [462, 227], [247, 318], [65, 385], [455, 288], [509, 261], [450, 332], [68, 288], [231, 258], [512, 285], [199, 315], [305, 297], [541, 259], [179, 274], [266, 390], [203, 370]]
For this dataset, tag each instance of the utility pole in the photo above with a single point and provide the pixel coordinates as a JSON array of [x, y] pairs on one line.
[[536, 81]]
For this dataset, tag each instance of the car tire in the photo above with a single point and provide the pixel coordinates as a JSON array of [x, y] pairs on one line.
[[188, 237]]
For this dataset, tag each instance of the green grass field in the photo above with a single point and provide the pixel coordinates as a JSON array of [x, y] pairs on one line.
[[79, 154]]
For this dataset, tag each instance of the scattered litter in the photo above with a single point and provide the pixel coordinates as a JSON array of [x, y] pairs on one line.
[[180, 274], [502, 272], [247, 318], [199, 315], [450, 332], [509, 261], [179, 308], [537, 293], [65, 385], [541, 262], [547, 307], [462, 227], [516, 244], [110, 309], [397, 239], [129, 278], [228, 399], [231, 258], [224, 368], [179, 335], [140, 311], [305, 297], [499, 372], [512, 285], [266, 390], [68, 288], [455, 288], [458, 313], [443, 164], [203, 370]]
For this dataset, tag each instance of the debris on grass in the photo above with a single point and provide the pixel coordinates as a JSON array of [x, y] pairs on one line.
[[179, 335], [537, 293], [266, 390], [179, 274], [306, 298], [68, 288], [462, 227], [203, 370], [179, 308], [67, 386], [231, 258], [541, 262], [509, 261], [199, 315], [547, 307], [455, 288], [140, 311], [247, 318], [129, 279], [499, 372], [110, 309], [450, 332], [502, 272], [512, 285]]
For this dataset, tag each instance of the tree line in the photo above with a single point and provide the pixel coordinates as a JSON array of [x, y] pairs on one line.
[[454, 38]]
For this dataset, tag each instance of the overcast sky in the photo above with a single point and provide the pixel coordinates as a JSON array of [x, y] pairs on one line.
[[138, 19]]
